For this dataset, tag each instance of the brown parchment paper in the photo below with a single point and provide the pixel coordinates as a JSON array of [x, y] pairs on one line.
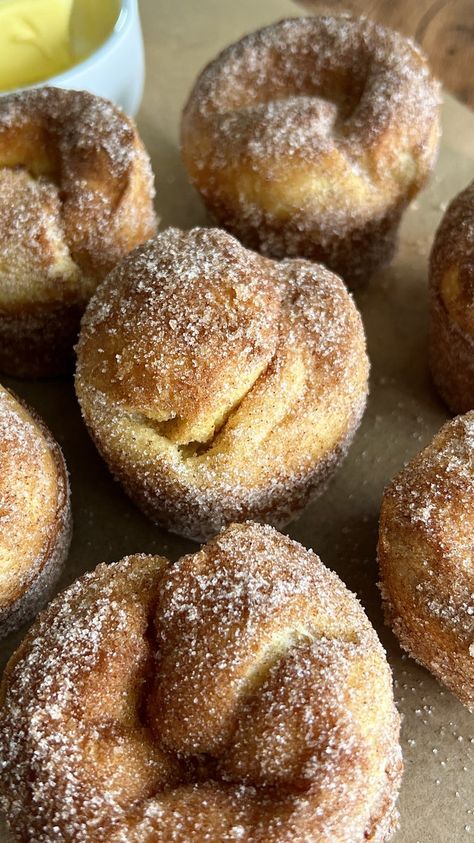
[[437, 797]]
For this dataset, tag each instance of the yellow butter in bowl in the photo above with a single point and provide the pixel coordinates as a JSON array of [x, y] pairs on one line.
[[42, 38], [91, 23], [34, 40]]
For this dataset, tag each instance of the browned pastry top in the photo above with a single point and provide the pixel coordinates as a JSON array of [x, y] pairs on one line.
[[331, 113], [431, 504], [33, 501], [75, 184], [183, 327], [452, 262], [239, 694], [186, 324], [219, 369]]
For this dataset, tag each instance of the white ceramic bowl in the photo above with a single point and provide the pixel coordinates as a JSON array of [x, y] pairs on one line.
[[116, 70]]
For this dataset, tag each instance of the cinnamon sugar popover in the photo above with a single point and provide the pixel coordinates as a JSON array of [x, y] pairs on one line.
[[76, 195], [240, 694], [452, 304], [35, 515], [309, 137], [218, 384], [427, 558]]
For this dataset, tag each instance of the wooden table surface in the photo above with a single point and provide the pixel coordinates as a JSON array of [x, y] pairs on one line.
[[444, 28]]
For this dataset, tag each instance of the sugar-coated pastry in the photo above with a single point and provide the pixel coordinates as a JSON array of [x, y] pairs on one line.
[[76, 195], [309, 137], [35, 514], [240, 694], [217, 384], [452, 304], [426, 556]]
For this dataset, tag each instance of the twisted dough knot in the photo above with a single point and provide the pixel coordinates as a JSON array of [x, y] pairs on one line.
[[452, 261], [219, 384], [309, 137], [185, 327], [91, 154], [426, 556], [238, 694], [452, 303], [35, 513], [76, 195]]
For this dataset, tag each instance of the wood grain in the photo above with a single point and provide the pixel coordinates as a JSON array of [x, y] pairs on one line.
[[444, 28]]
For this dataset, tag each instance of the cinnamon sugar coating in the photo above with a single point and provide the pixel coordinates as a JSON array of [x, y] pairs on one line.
[[35, 514], [427, 560], [217, 384], [452, 304], [76, 195], [309, 137], [239, 694]]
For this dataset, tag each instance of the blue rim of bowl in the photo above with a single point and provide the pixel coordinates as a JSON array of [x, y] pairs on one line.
[[127, 7]]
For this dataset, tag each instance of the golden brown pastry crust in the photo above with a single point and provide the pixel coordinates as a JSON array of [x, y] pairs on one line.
[[452, 304], [426, 557], [76, 195], [309, 137], [35, 514], [220, 385], [239, 694]]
